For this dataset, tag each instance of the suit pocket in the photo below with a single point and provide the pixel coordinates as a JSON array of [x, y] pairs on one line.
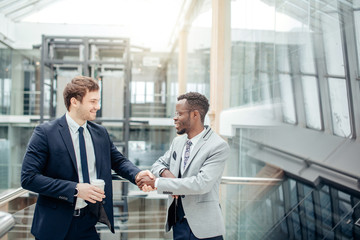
[[43, 201]]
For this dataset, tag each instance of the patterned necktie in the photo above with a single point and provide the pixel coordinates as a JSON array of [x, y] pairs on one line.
[[84, 164], [187, 152]]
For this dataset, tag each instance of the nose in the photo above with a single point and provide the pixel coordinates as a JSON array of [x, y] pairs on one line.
[[97, 106]]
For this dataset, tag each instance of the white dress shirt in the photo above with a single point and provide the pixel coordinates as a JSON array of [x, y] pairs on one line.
[[90, 153]]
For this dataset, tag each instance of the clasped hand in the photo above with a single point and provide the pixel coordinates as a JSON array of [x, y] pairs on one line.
[[145, 180]]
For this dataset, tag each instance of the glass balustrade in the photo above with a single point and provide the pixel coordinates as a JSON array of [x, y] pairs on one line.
[[253, 208]]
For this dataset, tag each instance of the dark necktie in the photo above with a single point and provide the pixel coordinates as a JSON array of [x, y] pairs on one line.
[[187, 152], [84, 164]]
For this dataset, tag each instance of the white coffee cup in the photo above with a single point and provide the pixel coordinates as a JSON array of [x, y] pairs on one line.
[[98, 183]]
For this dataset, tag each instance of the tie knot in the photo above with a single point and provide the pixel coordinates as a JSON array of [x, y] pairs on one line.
[[189, 143], [81, 129]]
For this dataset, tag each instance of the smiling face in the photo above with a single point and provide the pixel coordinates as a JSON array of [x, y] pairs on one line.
[[182, 118], [86, 109]]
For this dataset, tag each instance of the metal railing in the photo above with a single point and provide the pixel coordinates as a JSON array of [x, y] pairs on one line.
[[249, 180], [224, 180], [12, 195], [7, 222]]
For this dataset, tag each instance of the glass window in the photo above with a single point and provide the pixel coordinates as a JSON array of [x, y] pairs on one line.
[[307, 60], [243, 73], [142, 92], [357, 30], [266, 87], [282, 57], [266, 67], [138, 92], [4, 164], [5, 78], [149, 92], [252, 56], [287, 98], [332, 43], [311, 102], [198, 50], [339, 107]]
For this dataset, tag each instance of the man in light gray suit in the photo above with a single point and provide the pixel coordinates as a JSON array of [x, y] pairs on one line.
[[190, 172]]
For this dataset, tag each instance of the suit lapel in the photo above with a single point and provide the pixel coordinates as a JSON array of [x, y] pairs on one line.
[[198, 146], [179, 151], [65, 134], [96, 139]]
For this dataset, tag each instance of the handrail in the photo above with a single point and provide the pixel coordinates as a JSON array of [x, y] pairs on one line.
[[224, 180], [7, 222], [227, 180], [249, 180], [12, 195], [97, 120]]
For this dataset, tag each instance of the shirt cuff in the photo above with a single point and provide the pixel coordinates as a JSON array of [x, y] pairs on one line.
[[156, 182]]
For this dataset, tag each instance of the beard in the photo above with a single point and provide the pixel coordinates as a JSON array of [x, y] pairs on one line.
[[181, 131]]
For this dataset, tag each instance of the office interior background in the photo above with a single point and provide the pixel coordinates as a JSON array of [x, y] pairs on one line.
[[282, 78]]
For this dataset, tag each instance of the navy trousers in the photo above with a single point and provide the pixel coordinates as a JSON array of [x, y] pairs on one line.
[[82, 227]]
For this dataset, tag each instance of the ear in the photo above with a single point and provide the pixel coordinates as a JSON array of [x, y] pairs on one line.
[[196, 114], [74, 102]]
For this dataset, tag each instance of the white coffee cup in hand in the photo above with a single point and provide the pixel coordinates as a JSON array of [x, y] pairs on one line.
[[98, 183]]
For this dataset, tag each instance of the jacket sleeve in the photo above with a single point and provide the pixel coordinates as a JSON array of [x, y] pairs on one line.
[[33, 168], [121, 165], [162, 162]]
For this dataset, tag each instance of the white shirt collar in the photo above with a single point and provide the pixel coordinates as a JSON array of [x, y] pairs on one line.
[[73, 126]]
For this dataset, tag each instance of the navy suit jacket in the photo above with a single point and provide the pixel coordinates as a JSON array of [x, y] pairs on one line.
[[49, 168]]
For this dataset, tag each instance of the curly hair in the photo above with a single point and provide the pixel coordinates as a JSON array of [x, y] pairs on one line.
[[196, 101], [77, 88]]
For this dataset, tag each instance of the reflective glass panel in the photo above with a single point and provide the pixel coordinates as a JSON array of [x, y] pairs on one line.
[[198, 50], [252, 52], [5, 79], [307, 59], [287, 97], [311, 102], [332, 43], [357, 31], [339, 107]]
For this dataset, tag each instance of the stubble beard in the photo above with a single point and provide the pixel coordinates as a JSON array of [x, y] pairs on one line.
[[181, 132]]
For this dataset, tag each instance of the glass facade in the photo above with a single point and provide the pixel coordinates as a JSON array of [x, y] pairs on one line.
[[198, 50], [5, 78], [19, 101], [299, 58], [278, 44]]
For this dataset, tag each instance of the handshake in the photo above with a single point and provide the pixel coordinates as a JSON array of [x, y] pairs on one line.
[[145, 180]]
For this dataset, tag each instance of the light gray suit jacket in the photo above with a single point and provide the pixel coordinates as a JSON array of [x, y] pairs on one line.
[[199, 185]]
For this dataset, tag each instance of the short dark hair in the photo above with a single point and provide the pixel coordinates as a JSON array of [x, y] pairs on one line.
[[196, 101], [77, 88]]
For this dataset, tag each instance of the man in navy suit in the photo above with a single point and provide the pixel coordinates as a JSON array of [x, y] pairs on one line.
[[63, 156]]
